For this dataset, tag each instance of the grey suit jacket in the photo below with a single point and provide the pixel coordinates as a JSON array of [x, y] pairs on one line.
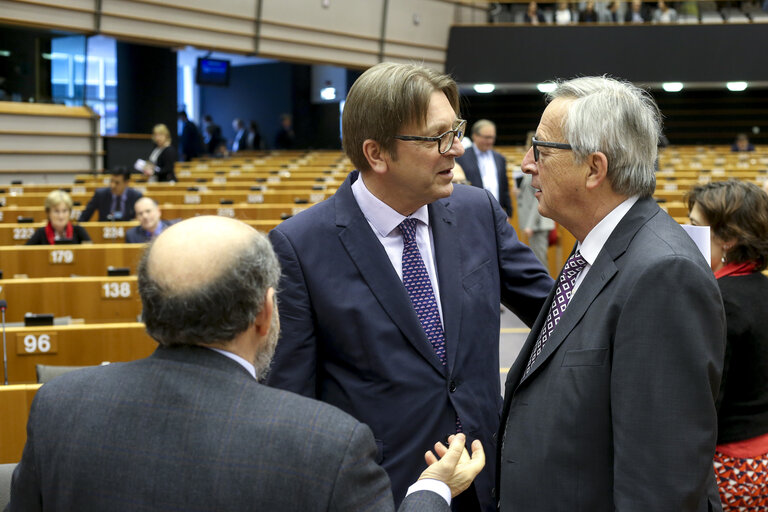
[[618, 411], [469, 163], [189, 429]]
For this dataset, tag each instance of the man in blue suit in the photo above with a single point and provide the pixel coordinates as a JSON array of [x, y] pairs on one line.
[[114, 203], [484, 167], [390, 289]]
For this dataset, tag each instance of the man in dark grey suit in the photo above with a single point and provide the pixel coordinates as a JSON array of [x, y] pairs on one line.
[[114, 203], [190, 428], [484, 167], [610, 405]]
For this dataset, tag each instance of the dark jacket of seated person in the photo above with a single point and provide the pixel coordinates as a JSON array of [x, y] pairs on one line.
[[58, 208], [114, 202]]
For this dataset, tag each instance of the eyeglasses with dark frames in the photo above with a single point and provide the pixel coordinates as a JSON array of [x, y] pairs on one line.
[[444, 140], [557, 145]]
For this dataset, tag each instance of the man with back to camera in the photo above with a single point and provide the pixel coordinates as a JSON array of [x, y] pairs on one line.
[[190, 428], [114, 203], [484, 167], [390, 289], [610, 404], [151, 223]]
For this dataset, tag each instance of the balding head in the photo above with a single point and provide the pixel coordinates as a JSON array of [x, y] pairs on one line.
[[204, 280]]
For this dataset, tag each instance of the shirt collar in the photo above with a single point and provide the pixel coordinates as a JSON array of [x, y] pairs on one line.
[[245, 364], [596, 238], [379, 214]]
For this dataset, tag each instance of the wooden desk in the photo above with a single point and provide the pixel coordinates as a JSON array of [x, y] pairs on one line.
[[100, 232], [68, 260], [94, 299], [73, 345], [15, 402]]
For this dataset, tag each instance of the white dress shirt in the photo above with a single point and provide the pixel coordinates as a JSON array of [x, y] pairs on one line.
[[596, 238], [384, 222], [488, 171], [242, 362]]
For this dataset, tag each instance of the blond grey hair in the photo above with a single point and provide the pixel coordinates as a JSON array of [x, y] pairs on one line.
[[387, 97], [619, 120], [55, 198]]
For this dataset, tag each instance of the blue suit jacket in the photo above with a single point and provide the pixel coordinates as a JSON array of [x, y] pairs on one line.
[[351, 337], [102, 202], [190, 429], [136, 235], [468, 162]]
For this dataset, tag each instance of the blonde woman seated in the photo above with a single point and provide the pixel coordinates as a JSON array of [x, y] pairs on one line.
[[59, 229]]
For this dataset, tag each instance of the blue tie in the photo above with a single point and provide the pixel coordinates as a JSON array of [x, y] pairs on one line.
[[419, 287]]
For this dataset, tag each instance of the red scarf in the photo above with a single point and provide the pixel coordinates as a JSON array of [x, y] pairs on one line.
[[736, 269], [50, 234]]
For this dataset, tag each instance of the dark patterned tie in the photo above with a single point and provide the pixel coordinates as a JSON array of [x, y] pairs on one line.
[[563, 293], [419, 287]]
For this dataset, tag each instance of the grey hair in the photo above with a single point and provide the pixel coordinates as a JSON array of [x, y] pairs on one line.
[[217, 311], [480, 124], [619, 120]]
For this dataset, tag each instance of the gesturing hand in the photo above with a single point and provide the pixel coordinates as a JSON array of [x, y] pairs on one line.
[[455, 467]]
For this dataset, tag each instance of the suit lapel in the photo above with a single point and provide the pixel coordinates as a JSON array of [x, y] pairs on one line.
[[472, 171], [449, 264], [600, 274], [374, 266]]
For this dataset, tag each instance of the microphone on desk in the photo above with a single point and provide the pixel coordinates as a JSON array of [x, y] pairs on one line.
[[3, 307]]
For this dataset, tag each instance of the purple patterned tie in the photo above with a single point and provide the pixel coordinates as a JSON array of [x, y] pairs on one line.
[[419, 287], [571, 271]]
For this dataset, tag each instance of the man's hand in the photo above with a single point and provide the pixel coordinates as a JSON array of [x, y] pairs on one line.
[[455, 467]]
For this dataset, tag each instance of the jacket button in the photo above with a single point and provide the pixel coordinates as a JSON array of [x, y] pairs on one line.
[[452, 387]]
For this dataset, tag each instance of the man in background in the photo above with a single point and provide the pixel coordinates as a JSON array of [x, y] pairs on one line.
[[189, 139], [240, 142], [190, 428], [610, 404], [114, 203], [484, 167], [151, 223], [390, 289]]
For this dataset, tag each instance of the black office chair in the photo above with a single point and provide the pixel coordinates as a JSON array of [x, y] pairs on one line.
[[46, 372]]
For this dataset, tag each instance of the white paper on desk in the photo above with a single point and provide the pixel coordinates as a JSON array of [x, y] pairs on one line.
[[700, 236], [139, 165]]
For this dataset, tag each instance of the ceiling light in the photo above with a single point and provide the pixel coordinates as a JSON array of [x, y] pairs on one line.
[[672, 86], [484, 88], [736, 86], [328, 93], [546, 87]]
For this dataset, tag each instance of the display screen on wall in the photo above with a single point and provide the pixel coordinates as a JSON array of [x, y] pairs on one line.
[[212, 72]]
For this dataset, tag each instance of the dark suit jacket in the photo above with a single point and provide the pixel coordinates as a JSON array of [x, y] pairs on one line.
[[468, 162], [102, 201], [190, 429], [351, 337], [136, 235], [618, 410]]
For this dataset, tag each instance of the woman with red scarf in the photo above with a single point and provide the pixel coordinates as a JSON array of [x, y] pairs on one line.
[[737, 214], [58, 206]]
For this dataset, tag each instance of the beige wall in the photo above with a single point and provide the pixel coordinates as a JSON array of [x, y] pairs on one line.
[[341, 32]]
